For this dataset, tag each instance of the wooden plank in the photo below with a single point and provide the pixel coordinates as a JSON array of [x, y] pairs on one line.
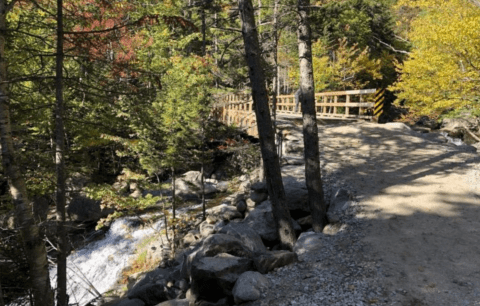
[[351, 104]]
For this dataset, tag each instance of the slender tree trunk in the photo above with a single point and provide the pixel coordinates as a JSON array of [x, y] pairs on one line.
[[2, 302], [174, 223], [264, 123], [35, 251], [62, 299], [310, 130], [275, 61]]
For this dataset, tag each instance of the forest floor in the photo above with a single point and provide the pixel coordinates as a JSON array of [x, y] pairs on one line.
[[420, 200]]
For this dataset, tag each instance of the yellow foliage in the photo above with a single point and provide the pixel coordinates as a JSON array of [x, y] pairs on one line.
[[443, 70], [349, 67]]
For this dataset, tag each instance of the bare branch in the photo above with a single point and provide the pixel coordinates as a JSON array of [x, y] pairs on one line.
[[391, 47]]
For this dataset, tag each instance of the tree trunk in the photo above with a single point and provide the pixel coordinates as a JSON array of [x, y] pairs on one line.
[[62, 299], [313, 178], [264, 123], [2, 302], [32, 241]]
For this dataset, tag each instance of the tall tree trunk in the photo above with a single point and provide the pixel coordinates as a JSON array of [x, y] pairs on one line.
[[204, 32], [264, 123], [313, 178], [275, 78], [34, 247], [62, 299], [2, 302]]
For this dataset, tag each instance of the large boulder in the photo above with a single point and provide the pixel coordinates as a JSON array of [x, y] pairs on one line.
[[151, 293], [129, 302], [250, 239], [261, 221], [258, 197], [189, 186], [159, 276], [214, 277], [455, 126], [249, 287], [308, 242], [83, 209], [175, 302], [265, 263], [296, 192], [211, 246], [222, 212], [222, 243]]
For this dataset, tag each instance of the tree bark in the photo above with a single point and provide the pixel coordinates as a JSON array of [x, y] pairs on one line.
[[62, 299], [264, 124], [2, 302], [34, 247], [313, 178]]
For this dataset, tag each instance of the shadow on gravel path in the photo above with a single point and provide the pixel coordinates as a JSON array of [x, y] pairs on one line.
[[421, 201]]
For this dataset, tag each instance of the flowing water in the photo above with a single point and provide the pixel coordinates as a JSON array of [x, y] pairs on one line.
[[94, 269]]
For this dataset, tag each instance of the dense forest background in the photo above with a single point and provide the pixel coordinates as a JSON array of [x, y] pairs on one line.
[[139, 78]]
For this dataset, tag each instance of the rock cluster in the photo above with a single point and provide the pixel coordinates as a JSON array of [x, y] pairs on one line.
[[225, 258]]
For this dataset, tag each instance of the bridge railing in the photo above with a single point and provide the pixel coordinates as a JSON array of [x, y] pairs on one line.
[[337, 104], [351, 104]]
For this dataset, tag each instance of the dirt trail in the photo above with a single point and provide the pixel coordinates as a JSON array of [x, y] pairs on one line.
[[421, 201]]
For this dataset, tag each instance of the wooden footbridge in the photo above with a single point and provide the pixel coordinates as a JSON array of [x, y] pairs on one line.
[[366, 104]]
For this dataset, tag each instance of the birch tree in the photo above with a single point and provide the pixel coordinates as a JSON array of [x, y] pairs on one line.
[[34, 247]]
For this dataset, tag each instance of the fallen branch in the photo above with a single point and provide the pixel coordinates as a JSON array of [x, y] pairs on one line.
[[471, 134]]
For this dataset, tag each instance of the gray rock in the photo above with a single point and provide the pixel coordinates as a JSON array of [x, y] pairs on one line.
[[182, 284], [191, 296], [214, 277], [130, 302], [159, 276], [332, 229], [241, 206], [222, 243], [191, 237], [206, 229], [83, 209], [150, 294], [261, 221], [296, 193], [223, 212], [293, 147], [258, 197], [308, 242], [250, 203], [249, 287], [221, 302], [305, 221], [176, 302], [250, 239], [245, 186], [260, 187], [222, 186], [455, 126], [339, 202], [333, 217], [265, 263], [338, 198], [192, 176], [294, 160]]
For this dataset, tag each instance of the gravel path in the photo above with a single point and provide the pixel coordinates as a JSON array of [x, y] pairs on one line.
[[412, 237]]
